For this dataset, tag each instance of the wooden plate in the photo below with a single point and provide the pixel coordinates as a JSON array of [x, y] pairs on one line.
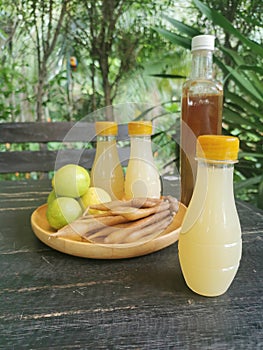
[[42, 230]]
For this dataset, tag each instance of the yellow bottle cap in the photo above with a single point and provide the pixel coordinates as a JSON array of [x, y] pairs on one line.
[[217, 147], [106, 128], [140, 128]]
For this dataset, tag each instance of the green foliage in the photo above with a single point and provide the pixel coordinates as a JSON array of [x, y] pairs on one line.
[[112, 41], [241, 67], [115, 39]]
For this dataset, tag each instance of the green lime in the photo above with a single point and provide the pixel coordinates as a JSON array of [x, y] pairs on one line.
[[71, 181], [62, 211], [94, 195], [51, 197]]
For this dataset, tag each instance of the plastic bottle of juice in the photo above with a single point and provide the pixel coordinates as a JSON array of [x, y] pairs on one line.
[[142, 177], [106, 171], [202, 99], [210, 239]]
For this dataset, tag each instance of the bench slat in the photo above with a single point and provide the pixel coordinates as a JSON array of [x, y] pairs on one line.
[[52, 132], [44, 161]]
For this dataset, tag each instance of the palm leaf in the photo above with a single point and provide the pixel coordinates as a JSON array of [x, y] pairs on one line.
[[234, 55], [236, 118], [247, 183], [244, 83], [252, 71], [183, 28], [256, 69], [170, 76], [224, 23], [241, 66], [174, 38], [240, 102], [250, 154]]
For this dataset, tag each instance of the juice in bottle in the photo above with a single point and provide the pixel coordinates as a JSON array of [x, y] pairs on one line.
[[210, 240], [202, 99], [142, 177], [107, 172]]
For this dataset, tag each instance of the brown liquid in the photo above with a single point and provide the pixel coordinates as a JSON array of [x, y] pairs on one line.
[[201, 115]]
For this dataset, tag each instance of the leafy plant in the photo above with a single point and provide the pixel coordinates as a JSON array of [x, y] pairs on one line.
[[241, 67]]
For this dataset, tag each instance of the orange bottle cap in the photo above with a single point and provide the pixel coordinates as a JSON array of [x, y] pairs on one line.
[[106, 128], [217, 147], [140, 128]]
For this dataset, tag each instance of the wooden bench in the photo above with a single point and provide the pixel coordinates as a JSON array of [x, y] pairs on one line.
[[76, 145]]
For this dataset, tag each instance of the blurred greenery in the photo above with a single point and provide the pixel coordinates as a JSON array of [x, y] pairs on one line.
[[139, 50]]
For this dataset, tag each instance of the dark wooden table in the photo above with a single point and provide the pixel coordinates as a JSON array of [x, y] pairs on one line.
[[49, 300]]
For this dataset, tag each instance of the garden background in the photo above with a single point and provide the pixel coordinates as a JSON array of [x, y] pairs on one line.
[[64, 59]]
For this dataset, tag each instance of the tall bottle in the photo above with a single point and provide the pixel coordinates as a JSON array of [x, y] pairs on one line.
[[106, 171], [201, 106], [210, 239], [142, 177]]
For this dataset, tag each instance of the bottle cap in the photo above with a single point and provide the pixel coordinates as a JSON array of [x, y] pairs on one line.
[[203, 42], [106, 128], [217, 147], [140, 128]]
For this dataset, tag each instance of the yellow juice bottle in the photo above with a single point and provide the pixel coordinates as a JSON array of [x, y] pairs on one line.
[[210, 240], [107, 172], [142, 178]]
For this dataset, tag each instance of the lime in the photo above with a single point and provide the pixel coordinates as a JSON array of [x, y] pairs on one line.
[[71, 181], [51, 197], [94, 195], [62, 211]]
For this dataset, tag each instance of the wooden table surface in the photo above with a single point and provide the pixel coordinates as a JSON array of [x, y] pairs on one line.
[[50, 300]]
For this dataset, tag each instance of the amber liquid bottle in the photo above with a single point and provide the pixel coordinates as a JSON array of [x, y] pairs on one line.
[[202, 100]]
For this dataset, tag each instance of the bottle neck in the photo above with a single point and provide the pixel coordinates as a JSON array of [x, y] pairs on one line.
[[219, 175], [101, 138], [202, 64], [141, 146], [106, 144]]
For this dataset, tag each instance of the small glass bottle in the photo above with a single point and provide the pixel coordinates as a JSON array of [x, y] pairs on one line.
[[201, 106], [142, 177], [210, 239], [107, 172]]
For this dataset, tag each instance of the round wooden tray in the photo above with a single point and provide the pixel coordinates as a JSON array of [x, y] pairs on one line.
[[42, 230]]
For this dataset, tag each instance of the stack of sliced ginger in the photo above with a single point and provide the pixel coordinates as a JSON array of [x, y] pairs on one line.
[[119, 222]]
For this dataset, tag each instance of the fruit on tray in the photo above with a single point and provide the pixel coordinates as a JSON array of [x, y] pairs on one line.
[[94, 195], [62, 211], [71, 195], [71, 180]]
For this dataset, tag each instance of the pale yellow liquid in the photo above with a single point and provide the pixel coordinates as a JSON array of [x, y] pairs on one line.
[[210, 240], [107, 172], [142, 177]]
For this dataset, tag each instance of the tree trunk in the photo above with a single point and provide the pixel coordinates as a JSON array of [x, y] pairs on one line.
[[93, 97], [40, 94], [104, 66], [108, 100], [39, 107]]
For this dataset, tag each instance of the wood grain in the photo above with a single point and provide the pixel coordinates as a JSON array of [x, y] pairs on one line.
[[50, 300]]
